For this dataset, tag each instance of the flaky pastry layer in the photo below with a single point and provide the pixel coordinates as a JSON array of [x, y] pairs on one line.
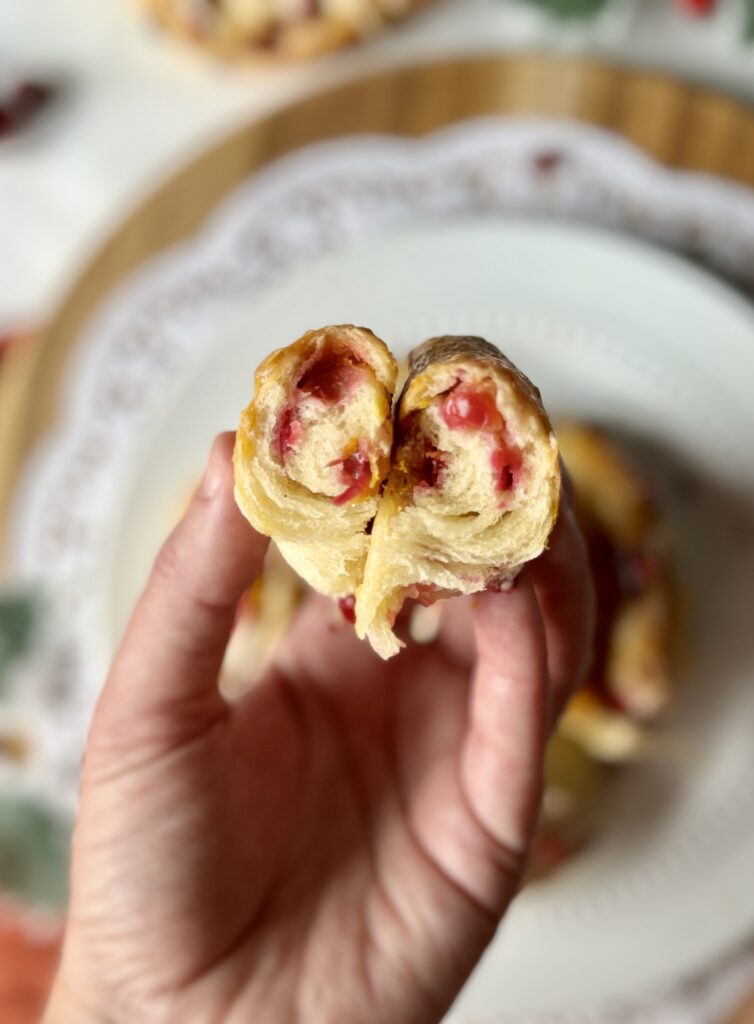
[[313, 450], [474, 487]]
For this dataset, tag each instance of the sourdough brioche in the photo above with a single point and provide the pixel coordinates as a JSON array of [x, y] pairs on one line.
[[474, 487], [313, 449]]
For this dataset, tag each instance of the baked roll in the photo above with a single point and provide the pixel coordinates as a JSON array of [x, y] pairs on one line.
[[282, 29], [473, 490], [313, 450], [575, 787], [264, 614], [626, 540]]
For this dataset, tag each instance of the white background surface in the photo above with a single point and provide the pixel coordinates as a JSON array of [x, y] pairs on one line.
[[136, 105]]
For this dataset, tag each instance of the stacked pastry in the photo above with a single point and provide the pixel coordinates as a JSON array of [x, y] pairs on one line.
[[276, 28]]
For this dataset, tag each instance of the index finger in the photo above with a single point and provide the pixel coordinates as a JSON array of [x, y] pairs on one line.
[[171, 654]]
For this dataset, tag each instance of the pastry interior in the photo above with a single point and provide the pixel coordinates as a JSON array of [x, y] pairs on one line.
[[313, 449], [473, 491]]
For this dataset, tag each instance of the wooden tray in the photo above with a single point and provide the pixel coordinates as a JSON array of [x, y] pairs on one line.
[[681, 125]]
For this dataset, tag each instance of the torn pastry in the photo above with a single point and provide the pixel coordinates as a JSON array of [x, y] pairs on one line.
[[313, 450], [474, 487]]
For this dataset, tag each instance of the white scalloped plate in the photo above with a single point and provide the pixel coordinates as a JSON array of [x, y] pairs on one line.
[[610, 329], [617, 333]]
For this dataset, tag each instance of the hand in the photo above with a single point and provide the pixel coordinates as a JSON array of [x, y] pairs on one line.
[[340, 845]]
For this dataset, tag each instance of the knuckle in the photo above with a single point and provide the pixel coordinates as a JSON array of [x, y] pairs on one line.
[[170, 567]]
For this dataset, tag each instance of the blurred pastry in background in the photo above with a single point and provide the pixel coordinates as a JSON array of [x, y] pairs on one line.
[[575, 786], [277, 28], [608, 722], [264, 613], [631, 673]]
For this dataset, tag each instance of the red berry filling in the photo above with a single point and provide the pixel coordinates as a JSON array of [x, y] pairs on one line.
[[431, 468], [423, 593], [698, 7], [506, 465], [355, 474], [333, 378], [22, 105], [465, 409], [347, 607], [288, 433]]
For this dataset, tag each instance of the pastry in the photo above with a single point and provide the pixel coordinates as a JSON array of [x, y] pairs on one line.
[[313, 450], [276, 28], [631, 671], [630, 680], [265, 612], [575, 786], [473, 490]]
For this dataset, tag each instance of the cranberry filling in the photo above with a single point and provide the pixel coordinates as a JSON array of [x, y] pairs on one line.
[[506, 465], [619, 574], [347, 607], [355, 473], [465, 409], [288, 433], [431, 469], [423, 593], [22, 105], [332, 378]]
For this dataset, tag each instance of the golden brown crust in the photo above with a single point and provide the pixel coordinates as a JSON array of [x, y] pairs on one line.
[[285, 362], [460, 350], [609, 491], [275, 39]]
